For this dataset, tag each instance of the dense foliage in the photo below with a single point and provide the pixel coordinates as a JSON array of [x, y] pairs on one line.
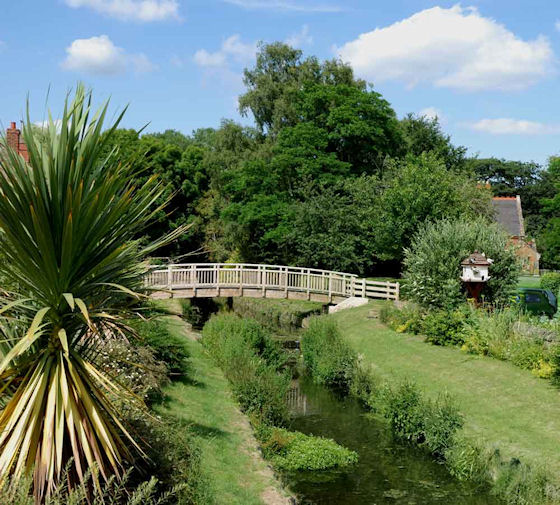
[[324, 179], [432, 275], [255, 366], [506, 334]]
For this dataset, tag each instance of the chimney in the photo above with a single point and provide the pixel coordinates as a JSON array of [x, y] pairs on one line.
[[12, 136]]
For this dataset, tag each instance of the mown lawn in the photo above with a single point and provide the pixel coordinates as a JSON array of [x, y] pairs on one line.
[[529, 281], [506, 406], [230, 458]]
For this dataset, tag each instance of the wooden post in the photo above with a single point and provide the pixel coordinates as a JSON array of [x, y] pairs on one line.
[[285, 282], [353, 287], [364, 288], [240, 270], [397, 294], [170, 277], [263, 280], [330, 287], [309, 284]]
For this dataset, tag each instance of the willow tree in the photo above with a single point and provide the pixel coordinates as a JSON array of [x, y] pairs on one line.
[[69, 219]]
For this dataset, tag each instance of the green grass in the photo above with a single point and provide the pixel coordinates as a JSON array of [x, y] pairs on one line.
[[230, 458], [529, 281], [505, 406]]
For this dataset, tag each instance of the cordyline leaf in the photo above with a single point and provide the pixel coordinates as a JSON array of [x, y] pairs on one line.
[[69, 225]]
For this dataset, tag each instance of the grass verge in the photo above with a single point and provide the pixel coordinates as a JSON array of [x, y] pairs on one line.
[[503, 405], [230, 459]]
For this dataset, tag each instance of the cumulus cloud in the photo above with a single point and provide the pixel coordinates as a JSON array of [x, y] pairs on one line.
[[433, 113], [509, 126], [98, 55], [300, 38], [233, 49], [281, 5], [135, 10], [453, 48]]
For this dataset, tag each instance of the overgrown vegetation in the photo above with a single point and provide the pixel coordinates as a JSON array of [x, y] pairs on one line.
[[254, 364], [506, 334], [432, 275], [435, 424], [276, 315]]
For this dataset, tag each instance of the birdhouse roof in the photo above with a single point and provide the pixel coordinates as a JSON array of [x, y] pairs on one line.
[[476, 259]]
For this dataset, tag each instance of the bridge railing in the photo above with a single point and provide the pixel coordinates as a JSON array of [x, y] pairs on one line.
[[272, 277]]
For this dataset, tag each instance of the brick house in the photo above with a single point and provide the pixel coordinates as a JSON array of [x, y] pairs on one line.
[[14, 140], [509, 214]]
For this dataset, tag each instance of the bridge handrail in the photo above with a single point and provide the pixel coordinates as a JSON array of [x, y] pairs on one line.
[[272, 277]]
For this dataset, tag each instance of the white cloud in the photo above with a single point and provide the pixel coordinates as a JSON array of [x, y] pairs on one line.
[[433, 113], [454, 48], [98, 55], [509, 126], [285, 5], [136, 10], [557, 25], [232, 49], [300, 38]]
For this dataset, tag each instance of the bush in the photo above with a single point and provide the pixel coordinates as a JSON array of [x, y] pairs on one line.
[[253, 363], [225, 333], [294, 451], [276, 315], [551, 281], [166, 347], [432, 265], [431, 423], [402, 319], [445, 327], [136, 368], [328, 358], [175, 459]]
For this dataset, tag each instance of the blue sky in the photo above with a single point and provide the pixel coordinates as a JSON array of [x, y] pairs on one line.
[[488, 68]]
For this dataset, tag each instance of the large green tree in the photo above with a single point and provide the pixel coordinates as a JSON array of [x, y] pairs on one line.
[[422, 189]]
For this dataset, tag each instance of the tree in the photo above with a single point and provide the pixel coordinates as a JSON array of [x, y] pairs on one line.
[[418, 190], [68, 224], [423, 134], [279, 75], [432, 263]]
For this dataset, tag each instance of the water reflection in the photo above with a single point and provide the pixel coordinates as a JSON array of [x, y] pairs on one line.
[[387, 473]]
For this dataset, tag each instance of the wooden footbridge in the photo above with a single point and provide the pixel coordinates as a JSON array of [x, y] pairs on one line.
[[210, 280]]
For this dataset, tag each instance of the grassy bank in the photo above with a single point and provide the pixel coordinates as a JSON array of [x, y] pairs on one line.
[[230, 459], [506, 407]]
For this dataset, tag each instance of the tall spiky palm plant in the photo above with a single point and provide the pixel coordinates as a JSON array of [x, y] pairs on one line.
[[68, 222]]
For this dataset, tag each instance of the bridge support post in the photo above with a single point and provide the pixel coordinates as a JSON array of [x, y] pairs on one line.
[[170, 278]]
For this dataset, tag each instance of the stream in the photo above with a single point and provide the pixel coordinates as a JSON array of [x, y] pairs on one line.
[[388, 472]]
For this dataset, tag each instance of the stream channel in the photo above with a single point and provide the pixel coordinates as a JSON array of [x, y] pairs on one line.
[[388, 472]]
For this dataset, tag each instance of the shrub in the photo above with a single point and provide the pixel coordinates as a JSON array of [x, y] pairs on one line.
[[405, 318], [293, 451], [276, 315], [328, 358], [166, 347], [432, 423], [253, 363], [432, 264], [135, 367], [175, 459], [551, 281], [443, 327], [224, 333]]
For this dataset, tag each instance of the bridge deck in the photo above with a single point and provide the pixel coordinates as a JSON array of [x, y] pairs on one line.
[[204, 280]]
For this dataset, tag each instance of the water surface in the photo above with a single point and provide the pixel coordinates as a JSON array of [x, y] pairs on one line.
[[388, 472]]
